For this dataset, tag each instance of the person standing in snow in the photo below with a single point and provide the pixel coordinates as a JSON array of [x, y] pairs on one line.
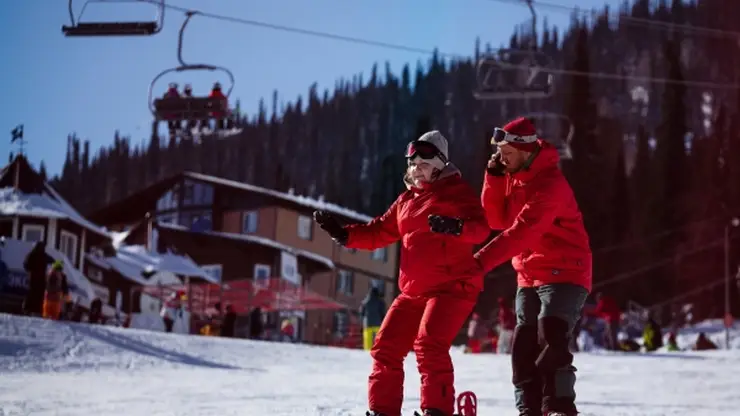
[[526, 195], [438, 220], [372, 312], [35, 264], [172, 309], [56, 293], [506, 325], [608, 310]]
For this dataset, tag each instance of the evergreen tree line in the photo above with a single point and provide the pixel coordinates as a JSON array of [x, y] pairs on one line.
[[657, 179]]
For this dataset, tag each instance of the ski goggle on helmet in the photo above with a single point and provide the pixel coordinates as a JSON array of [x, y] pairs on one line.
[[502, 136], [423, 150]]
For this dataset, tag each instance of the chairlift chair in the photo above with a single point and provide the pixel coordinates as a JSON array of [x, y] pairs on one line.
[[90, 29], [514, 74], [189, 108]]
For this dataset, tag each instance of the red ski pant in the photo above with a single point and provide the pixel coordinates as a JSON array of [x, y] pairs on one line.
[[428, 325]]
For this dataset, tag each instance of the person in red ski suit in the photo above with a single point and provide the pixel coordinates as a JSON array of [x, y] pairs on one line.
[[219, 115], [438, 220], [608, 310], [526, 195]]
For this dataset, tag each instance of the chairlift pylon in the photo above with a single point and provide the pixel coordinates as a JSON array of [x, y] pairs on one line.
[[91, 29], [515, 74], [543, 120], [189, 108]]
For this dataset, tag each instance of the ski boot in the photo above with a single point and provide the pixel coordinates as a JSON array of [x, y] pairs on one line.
[[370, 413], [467, 405]]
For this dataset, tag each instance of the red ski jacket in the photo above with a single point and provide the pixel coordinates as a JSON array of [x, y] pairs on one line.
[[430, 262], [543, 232], [607, 309]]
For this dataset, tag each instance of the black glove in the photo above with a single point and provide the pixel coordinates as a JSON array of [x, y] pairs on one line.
[[495, 167], [445, 225], [329, 223]]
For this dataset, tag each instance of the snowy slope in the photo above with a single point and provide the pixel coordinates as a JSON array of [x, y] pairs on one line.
[[49, 368]]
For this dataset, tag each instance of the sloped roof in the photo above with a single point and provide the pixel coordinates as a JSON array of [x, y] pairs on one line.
[[131, 261], [305, 201], [137, 204], [35, 197]]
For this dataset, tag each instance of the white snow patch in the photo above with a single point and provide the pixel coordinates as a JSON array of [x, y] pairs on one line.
[[48, 365], [13, 202], [131, 261]]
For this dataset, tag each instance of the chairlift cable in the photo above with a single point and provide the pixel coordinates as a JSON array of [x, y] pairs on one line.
[[406, 48]]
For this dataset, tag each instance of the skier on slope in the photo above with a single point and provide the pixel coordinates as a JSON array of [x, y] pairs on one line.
[[438, 220], [526, 195]]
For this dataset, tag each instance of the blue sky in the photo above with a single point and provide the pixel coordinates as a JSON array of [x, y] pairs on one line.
[[93, 86]]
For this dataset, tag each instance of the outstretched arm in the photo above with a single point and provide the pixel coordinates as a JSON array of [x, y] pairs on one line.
[[533, 220], [377, 233]]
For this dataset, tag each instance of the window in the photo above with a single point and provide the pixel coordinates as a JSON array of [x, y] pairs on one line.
[[213, 270], [262, 273], [167, 218], [203, 194], [380, 254], [187, 194], [345, 282], [305, 227], [68, 245], [249, 222], [170, 200], [200, 221], [378, 284], [95, 274], [33, 232]]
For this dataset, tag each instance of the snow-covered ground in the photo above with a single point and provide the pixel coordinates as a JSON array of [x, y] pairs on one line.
[[59, 368]]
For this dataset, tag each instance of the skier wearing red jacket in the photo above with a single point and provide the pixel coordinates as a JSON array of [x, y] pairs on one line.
[[438, 220], [526, 195]]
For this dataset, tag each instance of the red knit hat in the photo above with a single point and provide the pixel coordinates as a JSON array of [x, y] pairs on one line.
[[522, 135]]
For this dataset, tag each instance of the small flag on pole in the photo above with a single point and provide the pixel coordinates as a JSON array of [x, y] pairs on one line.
[[17, 133]]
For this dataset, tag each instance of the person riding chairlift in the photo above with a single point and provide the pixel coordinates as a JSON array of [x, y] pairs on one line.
[[219, 116], [172, 123]]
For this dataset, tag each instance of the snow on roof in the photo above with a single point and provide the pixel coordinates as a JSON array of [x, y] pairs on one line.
[[14, 252], [298, 199], [13, 202], [119, 237], [261, 241], [131, 261]]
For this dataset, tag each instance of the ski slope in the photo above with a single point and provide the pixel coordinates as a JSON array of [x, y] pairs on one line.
[[60, 368]]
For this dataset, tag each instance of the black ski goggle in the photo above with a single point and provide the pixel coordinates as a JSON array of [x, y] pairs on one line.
[[424, 150]]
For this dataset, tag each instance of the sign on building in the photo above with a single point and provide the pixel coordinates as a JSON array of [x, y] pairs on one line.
[[289, 268]]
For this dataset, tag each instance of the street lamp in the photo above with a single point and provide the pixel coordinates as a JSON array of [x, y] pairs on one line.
[[728, 314]]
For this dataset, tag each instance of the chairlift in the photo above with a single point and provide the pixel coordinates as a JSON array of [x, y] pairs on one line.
[[515, 74], [191, 108], [556, 129], [90, 29]]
